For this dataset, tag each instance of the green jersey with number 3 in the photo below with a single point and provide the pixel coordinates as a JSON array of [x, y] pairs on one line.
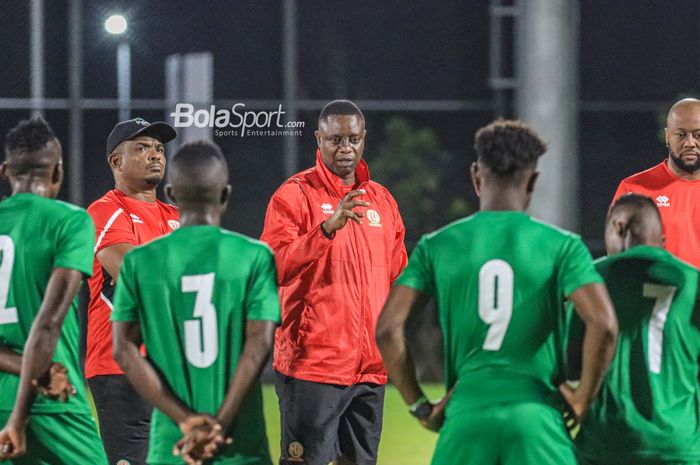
[[648, 404], [499, 279], [192, 293], [38, 234]]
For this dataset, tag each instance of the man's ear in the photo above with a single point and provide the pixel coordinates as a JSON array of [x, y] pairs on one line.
[[532, 181], [57, 174], [318, 138], [225, 194], [115, 160], [476, 178], [169, 192], [3, 171]]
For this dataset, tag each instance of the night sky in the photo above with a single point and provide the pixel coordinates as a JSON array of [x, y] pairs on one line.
[[630, 51]]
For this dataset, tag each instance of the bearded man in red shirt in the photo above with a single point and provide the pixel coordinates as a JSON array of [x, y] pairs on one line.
[[338, 242], [674, 184]]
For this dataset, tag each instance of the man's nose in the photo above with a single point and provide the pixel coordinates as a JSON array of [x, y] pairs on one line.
[[154, 154], [690, 141]]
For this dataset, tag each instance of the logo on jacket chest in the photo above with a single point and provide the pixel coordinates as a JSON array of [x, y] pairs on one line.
[[663, 201], [374, 218], [327, 208]]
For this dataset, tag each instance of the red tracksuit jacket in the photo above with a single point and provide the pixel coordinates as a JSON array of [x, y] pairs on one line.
[[332, 290]]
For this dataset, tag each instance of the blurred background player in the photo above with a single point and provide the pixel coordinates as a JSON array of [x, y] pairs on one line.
[[499, 278], [338, 242], [207, 317], [647, 410], [127, 216], [674, 184], [45, 250]]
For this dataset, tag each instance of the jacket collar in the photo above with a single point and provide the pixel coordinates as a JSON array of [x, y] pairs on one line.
[[334, 183]]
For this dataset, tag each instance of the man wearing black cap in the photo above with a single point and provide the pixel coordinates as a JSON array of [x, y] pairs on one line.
[[127, 216]]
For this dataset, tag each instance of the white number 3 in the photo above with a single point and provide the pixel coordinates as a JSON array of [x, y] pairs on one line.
[[201, 334]]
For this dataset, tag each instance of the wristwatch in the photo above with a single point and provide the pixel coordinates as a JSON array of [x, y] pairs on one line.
[[421, 408]]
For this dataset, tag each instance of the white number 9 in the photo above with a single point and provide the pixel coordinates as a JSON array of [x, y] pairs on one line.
[[495, 301]]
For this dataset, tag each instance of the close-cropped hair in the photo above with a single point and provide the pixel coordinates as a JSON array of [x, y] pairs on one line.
[[638, 201], [340, 107]]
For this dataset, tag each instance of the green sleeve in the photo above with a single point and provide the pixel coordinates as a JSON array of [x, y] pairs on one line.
[[418, 274], [575, 267], [75, 242], [125, 294], [262, 298]]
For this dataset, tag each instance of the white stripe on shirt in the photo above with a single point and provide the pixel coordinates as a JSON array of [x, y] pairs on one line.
[[106, 300], [107, 226]]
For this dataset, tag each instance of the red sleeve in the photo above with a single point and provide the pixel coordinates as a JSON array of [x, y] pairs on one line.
[[288, 231], [112, 225], [399, 257], [622, 189]]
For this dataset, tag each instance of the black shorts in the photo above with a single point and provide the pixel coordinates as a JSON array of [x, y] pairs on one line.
[[320, 422], [125, 419]]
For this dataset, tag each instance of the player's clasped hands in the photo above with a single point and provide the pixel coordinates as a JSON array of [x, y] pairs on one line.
[[345, 211], [435, 420], [201, 440], [55, 384]]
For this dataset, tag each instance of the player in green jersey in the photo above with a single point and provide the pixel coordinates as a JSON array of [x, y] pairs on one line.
[[204, 301], [647, 410], [499, 278], [45, 250]]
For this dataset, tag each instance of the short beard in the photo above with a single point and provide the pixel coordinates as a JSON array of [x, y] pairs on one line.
[[154, 180], [689, 168]]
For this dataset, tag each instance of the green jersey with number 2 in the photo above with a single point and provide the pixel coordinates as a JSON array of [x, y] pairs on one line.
[[38, 234]]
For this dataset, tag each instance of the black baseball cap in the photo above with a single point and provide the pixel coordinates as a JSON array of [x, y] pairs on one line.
[[132, 128]]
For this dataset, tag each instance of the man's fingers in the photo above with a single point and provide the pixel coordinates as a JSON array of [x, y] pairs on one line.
[[355, 203], [176, 448], [58, 368], [352, 194], [566, 392], [356, 217]]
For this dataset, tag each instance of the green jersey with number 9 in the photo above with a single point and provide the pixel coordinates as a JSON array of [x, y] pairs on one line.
[[499, 279], [648, 405], [192, 292], [38, 234]]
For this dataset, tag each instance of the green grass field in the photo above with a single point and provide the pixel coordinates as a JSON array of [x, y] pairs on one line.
[[404, 441]]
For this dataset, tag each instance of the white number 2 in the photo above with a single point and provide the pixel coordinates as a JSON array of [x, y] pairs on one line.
[[201, 334], [495, 301], [7, 249], [655, 339]]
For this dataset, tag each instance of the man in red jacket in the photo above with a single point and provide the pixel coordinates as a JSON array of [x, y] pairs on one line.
[[338, 242], [674, 184]]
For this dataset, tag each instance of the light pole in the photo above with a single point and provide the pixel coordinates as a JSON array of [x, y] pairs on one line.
[[117, 25]]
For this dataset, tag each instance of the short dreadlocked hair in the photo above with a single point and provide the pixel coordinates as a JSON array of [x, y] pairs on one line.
[[508, 146], [30, 135]]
